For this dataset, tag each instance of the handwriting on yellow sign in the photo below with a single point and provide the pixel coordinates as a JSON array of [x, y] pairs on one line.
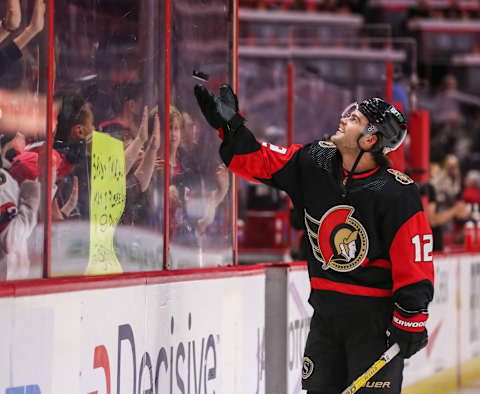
[[107, 202]]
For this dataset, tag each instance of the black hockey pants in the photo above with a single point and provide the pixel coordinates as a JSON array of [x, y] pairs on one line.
[[343, 345]]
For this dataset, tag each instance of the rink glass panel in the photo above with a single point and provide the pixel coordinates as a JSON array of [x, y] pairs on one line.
[[324, 87], [318, 102], [201, 214], [263, 98], [22, 122], [110, 53]]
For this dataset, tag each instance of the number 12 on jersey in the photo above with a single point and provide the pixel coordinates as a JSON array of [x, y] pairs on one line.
[[423, 247]]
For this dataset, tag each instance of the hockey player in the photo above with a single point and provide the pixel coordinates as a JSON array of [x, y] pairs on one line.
[[370, 258]]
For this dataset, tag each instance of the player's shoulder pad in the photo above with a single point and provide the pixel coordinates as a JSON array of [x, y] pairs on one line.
[[322, 153], [400, 177]]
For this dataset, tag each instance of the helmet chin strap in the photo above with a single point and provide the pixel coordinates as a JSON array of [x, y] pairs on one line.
[[347, 180]]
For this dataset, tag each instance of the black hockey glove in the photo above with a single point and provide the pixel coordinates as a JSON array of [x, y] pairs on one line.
[[408, 330], [221, 112]]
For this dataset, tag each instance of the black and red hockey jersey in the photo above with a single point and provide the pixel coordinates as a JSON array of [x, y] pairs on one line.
[[370, 245]]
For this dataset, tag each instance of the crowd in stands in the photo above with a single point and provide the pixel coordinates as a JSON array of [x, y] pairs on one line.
[[455, 160], [453, 9], [343, 6], [450, 9]]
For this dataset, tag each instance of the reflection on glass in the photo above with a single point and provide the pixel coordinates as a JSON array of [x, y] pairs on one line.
[[200, 193], [263, 90], [107, 216], [108, 164], [22, 130], [318, 101], [263, 94]]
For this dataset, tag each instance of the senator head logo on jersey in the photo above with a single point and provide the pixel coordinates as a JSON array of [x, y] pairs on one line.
[[338, 240], [400, 176]]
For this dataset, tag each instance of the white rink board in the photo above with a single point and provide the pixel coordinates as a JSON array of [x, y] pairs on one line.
[[440, 352], [470, 308], [299, 314], [199, 336], [288, 316], [454, 321], [203, 335], [457, 282]]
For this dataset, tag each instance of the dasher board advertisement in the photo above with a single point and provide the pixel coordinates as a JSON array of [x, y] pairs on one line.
[[288, 316], [198, 336], [299, 315], [454, 319], [440, 352]]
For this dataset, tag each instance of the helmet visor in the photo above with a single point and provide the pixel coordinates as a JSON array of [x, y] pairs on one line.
[[349, 109]]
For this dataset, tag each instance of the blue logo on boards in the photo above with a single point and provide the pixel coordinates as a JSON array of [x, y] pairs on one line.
[[30, 389]]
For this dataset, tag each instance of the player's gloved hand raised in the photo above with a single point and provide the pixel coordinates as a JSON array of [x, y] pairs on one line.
[[408, 330], [221, 112]]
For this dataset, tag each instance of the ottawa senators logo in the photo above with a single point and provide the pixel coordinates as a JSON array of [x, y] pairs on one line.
[[326, 144], [338, 240], [307, 368], [400, 177]]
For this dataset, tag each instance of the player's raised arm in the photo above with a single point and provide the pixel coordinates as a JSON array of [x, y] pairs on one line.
[[241, 152]]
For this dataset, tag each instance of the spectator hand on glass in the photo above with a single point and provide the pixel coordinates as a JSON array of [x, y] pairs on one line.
[[11, 52], [144, 171], [72, 202], [70, 205], [160, 165], [35, 26], [132, 152], [174, 194], [37, 23], [14, 16], [215, 198], [143, 129], [156, 133], [222, 178]]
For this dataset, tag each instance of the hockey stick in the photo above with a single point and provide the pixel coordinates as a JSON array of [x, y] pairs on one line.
[[384, 359]]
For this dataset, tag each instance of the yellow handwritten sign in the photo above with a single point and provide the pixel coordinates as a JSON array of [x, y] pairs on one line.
[[107, 202]]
